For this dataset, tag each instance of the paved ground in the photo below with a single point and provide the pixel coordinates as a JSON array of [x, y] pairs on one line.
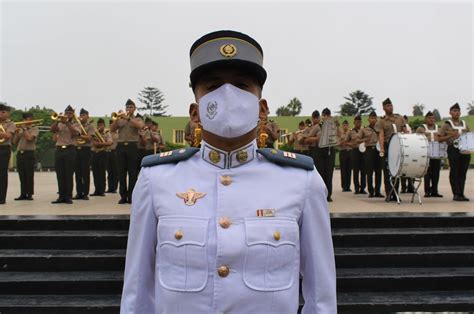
[[45, 192]]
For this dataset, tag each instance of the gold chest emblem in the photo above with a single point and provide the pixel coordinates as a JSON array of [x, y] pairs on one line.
[[242, 156], [214, 156]]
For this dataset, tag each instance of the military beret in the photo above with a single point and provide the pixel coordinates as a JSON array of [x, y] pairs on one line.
[[100, 120], [357, 118], [148, 120], [372, 114], [345, 122], [387, 102], [301, 123], [130, 103], [226, 49], [326, 112], [405, 117], [154, 123], [83, 111], [307, 121], [27, 115], [69, 108], [455, 106], [429, 113], [4, 107], [315, 114]]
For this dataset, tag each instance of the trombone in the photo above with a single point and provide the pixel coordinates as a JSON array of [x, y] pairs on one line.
[[80, 141], [30, 123], [55, 116]]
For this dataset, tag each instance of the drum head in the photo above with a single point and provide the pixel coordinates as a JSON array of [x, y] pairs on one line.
[[362, 147], [394, 154]]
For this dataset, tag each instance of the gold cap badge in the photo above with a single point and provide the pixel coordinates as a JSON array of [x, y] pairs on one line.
[[242, 156], [228, 50], [214, 156]]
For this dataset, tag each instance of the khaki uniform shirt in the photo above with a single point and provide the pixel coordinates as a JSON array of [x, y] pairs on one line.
[[189, 130], [343, 145], [65, 137], [429, 132], [90, 130], [312, 131], [447, 127], [352, 137], [115, 137], [149, 142], [386, 124], [107, 138], [274, 127], [145, 134], [369, 136], [297, 137], [127, 133], [9, 126], [23, 144]]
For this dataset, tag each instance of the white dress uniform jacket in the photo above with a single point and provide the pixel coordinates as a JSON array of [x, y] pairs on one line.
[[236, 243]]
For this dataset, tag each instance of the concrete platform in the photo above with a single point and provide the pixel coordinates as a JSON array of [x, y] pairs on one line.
[[344, 202]]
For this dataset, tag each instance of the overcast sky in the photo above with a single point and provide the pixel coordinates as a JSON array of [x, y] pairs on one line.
[[97, 54]]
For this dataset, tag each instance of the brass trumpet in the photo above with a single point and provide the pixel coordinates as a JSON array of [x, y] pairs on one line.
[[55, 116], [120, 115], [197, 135]]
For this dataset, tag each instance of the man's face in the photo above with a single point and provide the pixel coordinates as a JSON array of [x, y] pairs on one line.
[[100, 126], [130, 108], [430, 120], [345, 127], [455, 113], [148, 124], [4, 115], [154, 127], [372, 120], [301, 126], [315, 120], [215, 79], [69, 114], [357, 124], [84, 117], [388, 109]]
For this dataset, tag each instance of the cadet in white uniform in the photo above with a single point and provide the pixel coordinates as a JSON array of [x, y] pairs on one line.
[[221, 229]]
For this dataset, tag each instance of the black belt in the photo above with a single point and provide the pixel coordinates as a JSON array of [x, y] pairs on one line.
[[126, 143], [64, 146], [5, 147], [25, 151], [81, 147]]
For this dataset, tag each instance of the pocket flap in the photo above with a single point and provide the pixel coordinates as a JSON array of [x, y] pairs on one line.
[[182, 230], [271, 231]]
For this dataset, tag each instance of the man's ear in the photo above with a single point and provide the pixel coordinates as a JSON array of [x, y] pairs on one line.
[[263, 108], [194, 113]]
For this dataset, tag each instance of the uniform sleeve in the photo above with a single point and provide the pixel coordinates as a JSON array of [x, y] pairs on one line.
[[138, 295], [443, 129], [379, 126], [317, 254], [11, 127]]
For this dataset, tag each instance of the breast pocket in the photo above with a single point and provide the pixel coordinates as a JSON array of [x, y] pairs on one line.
[[182, 253], [271, 256]]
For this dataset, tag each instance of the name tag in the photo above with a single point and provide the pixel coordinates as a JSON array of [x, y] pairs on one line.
[[266, 212]]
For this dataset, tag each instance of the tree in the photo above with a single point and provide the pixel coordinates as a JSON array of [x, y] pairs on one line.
[[358, 103], [283, 111], [152, 98], [418, 109], [470, 109], [293, 108], [437, 115]]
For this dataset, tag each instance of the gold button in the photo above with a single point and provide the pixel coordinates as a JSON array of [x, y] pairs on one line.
[[214, 156], [242, 156], [224, 222], [223, 271], [277, 235], [226, 180], [178, 235]]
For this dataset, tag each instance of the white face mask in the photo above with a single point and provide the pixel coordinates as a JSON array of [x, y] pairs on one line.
[[229, 111]]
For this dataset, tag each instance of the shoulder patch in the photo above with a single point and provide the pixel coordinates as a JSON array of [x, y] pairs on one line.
[[172, 156], [286, 158]]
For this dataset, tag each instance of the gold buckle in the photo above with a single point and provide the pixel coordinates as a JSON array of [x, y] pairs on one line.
[[125, 143], [64, 146]]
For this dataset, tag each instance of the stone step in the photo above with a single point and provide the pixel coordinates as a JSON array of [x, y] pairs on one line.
[[435, 236], [63, 239], [404, 279], [62, 260], [409, 301], [59, 304], [59, 283], [367, 257], [43, 222], [402, 220]]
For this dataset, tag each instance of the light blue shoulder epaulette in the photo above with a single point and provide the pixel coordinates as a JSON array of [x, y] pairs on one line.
[[169, 157], [287, 159]]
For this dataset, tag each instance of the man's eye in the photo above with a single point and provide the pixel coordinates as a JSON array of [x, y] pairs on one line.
[[242, 85]]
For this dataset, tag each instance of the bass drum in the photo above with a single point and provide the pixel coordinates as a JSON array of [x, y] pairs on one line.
[[408, 155]]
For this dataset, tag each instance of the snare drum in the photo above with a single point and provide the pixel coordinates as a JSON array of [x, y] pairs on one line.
[[438, 150], [408, 155], [466, 143]]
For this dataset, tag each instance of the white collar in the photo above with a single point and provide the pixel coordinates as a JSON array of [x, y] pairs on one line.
[[227, 160]]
